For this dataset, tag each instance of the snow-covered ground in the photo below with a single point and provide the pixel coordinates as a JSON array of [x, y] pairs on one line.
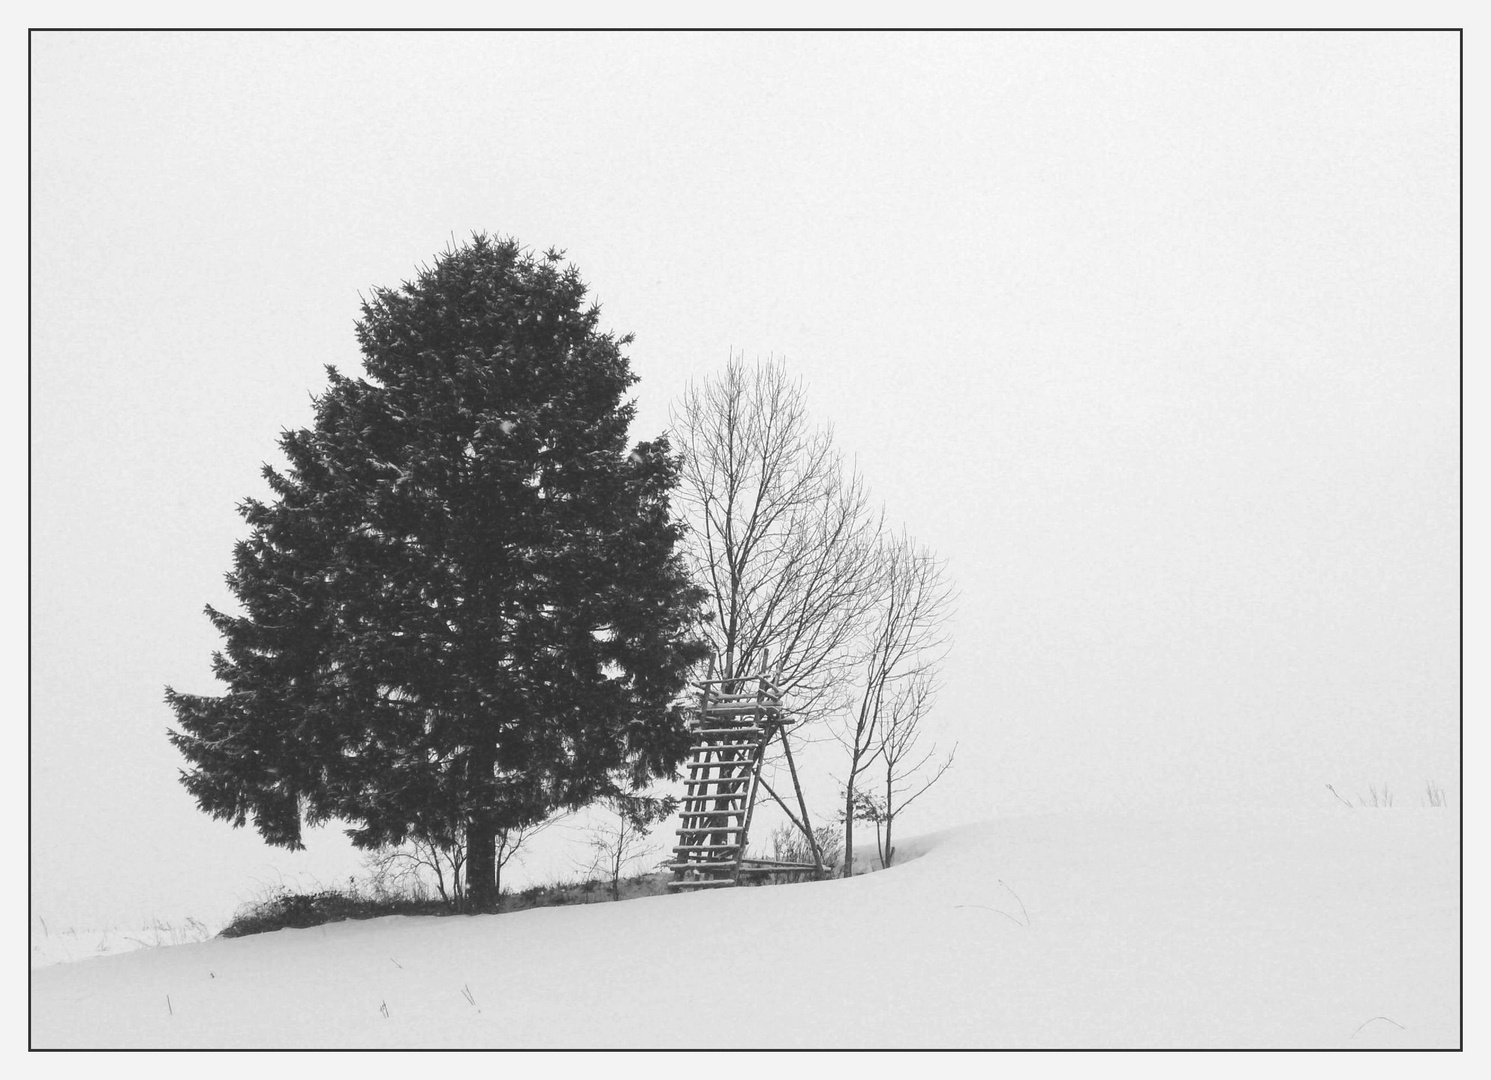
[[65, 944], [1218, 928]]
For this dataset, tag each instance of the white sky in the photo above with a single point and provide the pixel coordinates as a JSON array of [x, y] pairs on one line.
[[1153, 337]]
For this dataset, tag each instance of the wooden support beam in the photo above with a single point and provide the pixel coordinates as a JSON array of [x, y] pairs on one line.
[[783, 805], [807, 826], [773, 864]]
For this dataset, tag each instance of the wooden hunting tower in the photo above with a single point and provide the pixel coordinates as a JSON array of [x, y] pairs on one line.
[[733, 725]]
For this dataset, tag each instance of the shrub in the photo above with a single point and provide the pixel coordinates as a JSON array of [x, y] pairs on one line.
[[788, 844], [284, 909]]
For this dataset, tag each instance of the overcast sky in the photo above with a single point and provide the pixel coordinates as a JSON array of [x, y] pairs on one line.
[[1153, 337]]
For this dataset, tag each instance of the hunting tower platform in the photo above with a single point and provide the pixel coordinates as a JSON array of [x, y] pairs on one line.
[[733, 724]]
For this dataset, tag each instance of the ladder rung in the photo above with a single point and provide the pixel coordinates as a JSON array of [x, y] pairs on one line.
[[708, 869], [721, 779], [709, 811], [750, 771], [711, 829], [705, 793], [749, 767], [712, 813], [695, 796], [718, 866], [742, 730], [711, 847]]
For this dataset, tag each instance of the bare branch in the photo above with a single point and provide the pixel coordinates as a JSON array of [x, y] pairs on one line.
[[780, 531], [898, 667]]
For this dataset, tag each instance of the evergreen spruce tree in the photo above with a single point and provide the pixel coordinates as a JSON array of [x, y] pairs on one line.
[[462, 610]]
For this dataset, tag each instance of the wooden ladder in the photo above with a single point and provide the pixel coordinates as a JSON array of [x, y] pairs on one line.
[[720, 793], [737, 717]]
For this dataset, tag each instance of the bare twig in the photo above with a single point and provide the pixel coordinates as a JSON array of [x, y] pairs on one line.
[[1018, 901], [986, 907], [1389, 1019]]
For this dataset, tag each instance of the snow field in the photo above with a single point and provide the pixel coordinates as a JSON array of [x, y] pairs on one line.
[[1217, 928]]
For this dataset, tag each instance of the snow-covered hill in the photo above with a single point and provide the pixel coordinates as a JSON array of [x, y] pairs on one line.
[[1213, 929]]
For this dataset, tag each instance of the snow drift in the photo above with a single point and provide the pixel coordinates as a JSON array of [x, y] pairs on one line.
[[1210, 929]]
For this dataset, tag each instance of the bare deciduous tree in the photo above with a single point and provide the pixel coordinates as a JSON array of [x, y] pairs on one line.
[[781, 533], [907, 775], [406, 866], [796, 564], [905, 641], [402, 870], [622, 839], [511, 841]]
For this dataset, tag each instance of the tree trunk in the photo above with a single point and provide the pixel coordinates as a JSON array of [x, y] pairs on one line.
[[481, 866], [890, 816], [849, 827], [481, 834], [617, 859]]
